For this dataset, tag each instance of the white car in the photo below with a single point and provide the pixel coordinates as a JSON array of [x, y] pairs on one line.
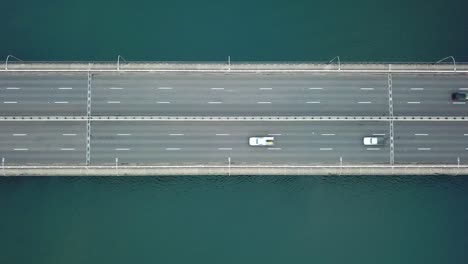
[[373, 141], [261, 141]]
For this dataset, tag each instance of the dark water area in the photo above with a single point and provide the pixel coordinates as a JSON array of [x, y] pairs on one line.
[[234, 219], [321, 219], [261, 30]]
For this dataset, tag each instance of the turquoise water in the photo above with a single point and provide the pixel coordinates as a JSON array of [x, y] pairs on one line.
[[234, 219], [272, 30]]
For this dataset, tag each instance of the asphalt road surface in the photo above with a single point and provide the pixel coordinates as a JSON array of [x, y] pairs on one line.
[[195, 94], [213, 142]]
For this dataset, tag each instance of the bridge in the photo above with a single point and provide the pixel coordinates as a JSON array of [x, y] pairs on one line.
[[195, 118]]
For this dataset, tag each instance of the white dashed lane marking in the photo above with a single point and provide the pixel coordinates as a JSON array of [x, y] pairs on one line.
[[172, 148], [163, 102], [416, 89], [122, 149], [113, 102], [19, 135], [424, 148], [413, 102]]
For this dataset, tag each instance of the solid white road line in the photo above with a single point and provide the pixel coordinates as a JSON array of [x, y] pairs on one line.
[[263, 102], [364, 102], [316, 102], [424, 148], [172, 148], [367, 88], [222, 134], [274, 148], [116, 88], [217, 88], [13, 88], [373, 148], [19, 135], [61, 102], [124, 134], [10, 102], [326, 148], [274, 134], [413, 102], [421, 134], [316, 88], [328, 134], [164, 88], [19, 149], [67, 149], [65, 88], [122, 149], [265, 88], [163, 102], [68, 134], [416, 89], [215, 102], [176, 134], [224, 148], [458, 102], [113, 102]]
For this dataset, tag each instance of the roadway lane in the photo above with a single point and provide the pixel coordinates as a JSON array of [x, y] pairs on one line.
[[174, 143], [428, 95], [44, 143], [431, 142], [48, 94], [195, 94]]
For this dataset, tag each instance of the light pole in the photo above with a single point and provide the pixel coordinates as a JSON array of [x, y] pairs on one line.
[[117, 166], [341, 165]]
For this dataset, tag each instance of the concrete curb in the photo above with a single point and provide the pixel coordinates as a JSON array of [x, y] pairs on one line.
[[234, 170]]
